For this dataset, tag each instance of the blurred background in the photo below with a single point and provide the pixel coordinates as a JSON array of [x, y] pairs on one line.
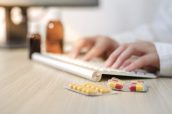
[[110, 17]]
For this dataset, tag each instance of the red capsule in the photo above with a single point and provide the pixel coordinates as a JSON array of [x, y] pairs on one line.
[[132, 87], [118, 86]]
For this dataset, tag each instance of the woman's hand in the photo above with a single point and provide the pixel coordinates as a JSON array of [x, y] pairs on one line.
[[122, 57], [98, 46]]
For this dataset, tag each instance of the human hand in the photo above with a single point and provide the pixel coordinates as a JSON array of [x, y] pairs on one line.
[[98, 46], [146, 52]]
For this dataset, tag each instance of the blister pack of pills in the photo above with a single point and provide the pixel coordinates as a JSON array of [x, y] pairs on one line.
[[89, 89], [127, 86]]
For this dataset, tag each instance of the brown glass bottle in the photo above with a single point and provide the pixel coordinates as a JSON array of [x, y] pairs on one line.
[[34, 44], [54, 37]]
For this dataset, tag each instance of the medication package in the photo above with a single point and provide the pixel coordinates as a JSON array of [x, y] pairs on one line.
[[92, 89], [89, 89], [127, 86]]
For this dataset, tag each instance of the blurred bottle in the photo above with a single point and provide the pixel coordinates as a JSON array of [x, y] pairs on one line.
[[54, 33], [34, 40]]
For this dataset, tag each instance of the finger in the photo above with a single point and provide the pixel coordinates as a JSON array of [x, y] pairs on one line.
[[139, 63], [126, 54], [126, 63], [79, 46], [109, 62], [96, 51]]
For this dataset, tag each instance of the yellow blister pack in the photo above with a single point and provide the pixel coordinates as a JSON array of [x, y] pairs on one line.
[[89, 89]]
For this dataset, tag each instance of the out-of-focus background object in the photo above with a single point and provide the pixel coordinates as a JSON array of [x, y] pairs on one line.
[[48, 2], [111, 17], [16, 17]]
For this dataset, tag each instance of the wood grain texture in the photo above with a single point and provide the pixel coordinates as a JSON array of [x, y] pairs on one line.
[[27, 87]]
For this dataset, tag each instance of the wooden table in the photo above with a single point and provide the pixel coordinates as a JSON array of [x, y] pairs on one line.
[[27, 87]]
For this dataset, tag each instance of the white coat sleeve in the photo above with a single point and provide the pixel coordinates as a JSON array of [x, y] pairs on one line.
[[159, 31], [165, 55]]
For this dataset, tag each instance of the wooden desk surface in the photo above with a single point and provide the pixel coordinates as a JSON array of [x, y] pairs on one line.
[[27, 87]]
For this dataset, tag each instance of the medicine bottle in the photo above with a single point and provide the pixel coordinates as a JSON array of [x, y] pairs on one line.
[[54, 33], [34, 40]]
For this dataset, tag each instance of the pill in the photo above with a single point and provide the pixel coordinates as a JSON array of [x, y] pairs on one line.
[[132, 87], [92, 87], [72, 86], [115, 85], [101, 90], [83, 90], [88, 84], [118, 86], [139, 87], [91, 91], [105, 91], [97, 89], [111, 84], [79, 88], [87, 91]]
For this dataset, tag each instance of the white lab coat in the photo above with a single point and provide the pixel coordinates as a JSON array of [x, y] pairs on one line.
[[159, 32]]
